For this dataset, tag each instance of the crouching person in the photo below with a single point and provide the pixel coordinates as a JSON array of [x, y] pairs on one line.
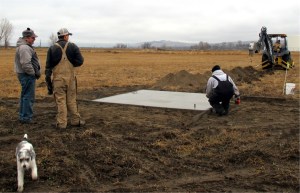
[[62, 58], [220, 89]]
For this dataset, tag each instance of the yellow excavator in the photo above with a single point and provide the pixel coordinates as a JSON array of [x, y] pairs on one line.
[[275, 54]]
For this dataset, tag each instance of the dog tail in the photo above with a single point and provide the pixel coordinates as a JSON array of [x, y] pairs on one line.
[[25, 137]]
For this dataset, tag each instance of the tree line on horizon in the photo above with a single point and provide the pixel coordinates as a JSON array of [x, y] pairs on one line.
[[239, 45]]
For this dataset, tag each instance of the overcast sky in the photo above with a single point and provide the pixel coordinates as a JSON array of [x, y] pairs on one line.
[[132, 21]]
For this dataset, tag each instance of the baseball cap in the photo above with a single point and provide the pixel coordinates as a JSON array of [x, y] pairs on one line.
[[29, 33], [216, 67], [63, 32]]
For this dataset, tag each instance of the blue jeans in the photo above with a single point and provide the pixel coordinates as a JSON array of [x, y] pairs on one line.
[[27, 96]]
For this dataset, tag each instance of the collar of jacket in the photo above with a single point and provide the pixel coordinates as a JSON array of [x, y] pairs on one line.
[[62, 43], [218, 72]]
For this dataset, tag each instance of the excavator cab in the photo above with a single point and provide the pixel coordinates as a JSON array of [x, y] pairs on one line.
[[281, 52], [275, 53]]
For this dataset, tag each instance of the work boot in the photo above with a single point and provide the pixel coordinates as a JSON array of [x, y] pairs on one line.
[[219, 109], [226, 108], [81, 123], [225, 112], [221, 112], [58, 126]]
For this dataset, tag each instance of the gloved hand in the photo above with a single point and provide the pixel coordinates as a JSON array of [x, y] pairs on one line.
[[49, 85]]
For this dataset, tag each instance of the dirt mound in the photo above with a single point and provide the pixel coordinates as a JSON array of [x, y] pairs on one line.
[[247, 74], [181, 81], [187, 82]]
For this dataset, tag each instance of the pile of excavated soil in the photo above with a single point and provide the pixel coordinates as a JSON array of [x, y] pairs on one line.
[[185, 81], [182, 81], [247, 74]]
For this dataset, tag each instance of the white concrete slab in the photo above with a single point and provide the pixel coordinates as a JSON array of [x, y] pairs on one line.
[[164, 99]]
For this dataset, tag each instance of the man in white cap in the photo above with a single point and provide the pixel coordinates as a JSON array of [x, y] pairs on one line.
[[62, 58], [27, 67]]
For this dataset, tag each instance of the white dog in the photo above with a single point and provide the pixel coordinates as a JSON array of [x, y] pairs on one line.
[[25, 161]]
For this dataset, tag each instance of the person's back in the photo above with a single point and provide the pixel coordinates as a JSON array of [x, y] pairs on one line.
[[220, 89], [62, 57], [64, 70], [72, 52], [224, 88]]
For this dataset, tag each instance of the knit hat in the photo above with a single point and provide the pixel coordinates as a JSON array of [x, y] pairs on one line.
[[63, 32], [29, 33], [216, 67]]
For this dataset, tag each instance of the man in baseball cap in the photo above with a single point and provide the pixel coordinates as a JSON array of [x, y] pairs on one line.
[[62, 58], [63, 32]]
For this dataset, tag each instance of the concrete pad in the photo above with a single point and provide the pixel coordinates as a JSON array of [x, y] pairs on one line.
[[164, 99]]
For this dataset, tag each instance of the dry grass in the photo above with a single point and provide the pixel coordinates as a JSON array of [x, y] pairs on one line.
[[112, 67]]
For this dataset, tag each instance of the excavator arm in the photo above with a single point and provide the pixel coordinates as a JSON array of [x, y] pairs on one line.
[[265, 42]]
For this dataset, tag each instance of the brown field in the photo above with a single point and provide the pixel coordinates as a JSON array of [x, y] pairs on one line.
[[131, 148]]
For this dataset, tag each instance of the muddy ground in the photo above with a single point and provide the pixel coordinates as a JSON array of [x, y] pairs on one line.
[[126, 148]]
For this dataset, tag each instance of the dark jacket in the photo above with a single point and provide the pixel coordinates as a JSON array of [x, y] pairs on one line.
[[54, 56]]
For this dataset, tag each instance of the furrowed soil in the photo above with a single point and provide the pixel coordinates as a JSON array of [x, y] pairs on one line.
[[123, 148]]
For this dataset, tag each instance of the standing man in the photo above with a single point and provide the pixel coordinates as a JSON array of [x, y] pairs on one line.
[[251, 49], [27, 67], [62, 58], [220, 89]]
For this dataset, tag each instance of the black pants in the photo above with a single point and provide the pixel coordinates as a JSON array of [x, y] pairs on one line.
[[220, 103]]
